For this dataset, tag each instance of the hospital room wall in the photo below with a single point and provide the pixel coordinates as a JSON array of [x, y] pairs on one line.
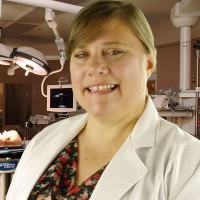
[[168, 66]]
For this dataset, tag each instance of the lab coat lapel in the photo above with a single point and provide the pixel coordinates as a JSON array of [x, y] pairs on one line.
[[43, 149], [126, 168], [122, 173]]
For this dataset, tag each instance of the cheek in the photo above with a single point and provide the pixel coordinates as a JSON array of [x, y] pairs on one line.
[[134, 74], [123, 68], [129, 70], [76, 80], [75, 75]]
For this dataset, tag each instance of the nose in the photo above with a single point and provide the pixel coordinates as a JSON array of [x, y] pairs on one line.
[[97, 67]]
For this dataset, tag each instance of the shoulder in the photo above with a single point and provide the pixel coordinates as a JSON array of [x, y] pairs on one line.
[[177, 146], [62, 127], [57, 134], [168, 131]]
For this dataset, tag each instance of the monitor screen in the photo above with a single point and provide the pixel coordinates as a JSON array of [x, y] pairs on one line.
[[60, 98]]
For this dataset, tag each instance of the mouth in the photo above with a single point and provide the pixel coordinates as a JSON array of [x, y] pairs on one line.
[[102, 88]]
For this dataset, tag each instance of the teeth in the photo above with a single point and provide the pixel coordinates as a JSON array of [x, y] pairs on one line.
[[101, 88]]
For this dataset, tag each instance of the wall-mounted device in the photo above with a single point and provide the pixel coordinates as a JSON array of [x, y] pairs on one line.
[[61, 99]]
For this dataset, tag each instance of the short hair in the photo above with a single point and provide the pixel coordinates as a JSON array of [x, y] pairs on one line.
[[96, 17]]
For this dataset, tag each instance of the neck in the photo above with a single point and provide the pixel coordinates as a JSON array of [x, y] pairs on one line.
[[104, 131]]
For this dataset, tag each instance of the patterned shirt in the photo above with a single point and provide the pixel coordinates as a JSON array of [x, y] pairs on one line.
[[58, 181]]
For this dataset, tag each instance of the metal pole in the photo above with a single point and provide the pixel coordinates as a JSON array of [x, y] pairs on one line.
[[197, 95], [197, 47], [185, 60], [55, 5], [197, 113]]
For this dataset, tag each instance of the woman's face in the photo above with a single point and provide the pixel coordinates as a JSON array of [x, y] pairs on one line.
[[109, 73]]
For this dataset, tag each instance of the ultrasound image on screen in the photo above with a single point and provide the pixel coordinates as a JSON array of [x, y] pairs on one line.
[[61, 98]]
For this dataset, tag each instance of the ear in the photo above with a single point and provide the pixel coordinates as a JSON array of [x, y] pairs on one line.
[[150, 66]]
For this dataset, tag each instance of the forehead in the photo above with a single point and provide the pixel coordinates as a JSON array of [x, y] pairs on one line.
[[110, 28], [116, 36]]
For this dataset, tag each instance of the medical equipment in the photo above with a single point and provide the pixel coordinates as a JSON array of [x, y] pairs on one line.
[[61, 99], [50, 19], [184, 15], [28, 58]]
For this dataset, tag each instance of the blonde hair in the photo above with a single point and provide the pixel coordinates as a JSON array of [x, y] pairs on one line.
[[98, 16]]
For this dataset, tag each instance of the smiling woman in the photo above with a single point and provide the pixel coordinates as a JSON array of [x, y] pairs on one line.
[[121, 149], [113, 58]]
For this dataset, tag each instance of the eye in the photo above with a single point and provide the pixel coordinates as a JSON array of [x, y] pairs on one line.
[[115, 52], [80, 55]]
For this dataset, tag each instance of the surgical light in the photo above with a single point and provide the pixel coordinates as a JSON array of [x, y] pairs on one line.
[[31, 60], [11, 69]]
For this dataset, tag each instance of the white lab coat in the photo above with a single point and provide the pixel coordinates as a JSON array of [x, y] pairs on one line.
[[158, 161]]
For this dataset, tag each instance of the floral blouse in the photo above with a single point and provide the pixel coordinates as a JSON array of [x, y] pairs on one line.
[[58, 181]]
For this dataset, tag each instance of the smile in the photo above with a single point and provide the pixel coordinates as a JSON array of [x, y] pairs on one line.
[[102, 88]]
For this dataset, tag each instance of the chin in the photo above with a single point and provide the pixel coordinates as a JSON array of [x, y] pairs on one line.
[[99, 112]]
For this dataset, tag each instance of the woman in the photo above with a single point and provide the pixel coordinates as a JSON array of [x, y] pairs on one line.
[[121, 149]]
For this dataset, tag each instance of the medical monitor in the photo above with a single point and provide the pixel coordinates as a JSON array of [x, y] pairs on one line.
[[60, 98]]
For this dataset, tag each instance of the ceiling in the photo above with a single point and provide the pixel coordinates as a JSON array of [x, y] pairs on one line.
[[24, 25]]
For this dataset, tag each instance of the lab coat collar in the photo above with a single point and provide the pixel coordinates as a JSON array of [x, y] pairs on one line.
[[126, 168], [144, 132]]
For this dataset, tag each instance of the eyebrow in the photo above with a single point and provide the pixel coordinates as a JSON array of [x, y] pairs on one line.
[[105, 43], [115, 43]]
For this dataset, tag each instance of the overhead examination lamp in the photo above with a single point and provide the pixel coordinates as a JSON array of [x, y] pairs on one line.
[[28, 58], [31, 60]]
